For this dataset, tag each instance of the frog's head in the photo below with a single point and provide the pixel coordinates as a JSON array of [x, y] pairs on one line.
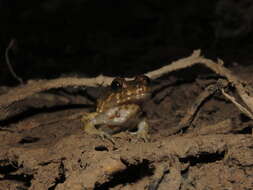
[[131, 91], [126, 92]]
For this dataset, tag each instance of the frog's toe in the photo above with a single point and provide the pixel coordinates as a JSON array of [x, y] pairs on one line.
[[143, 136], [105, 135], [93, 131]]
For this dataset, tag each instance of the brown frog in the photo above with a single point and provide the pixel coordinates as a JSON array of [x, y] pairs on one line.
[[120, 110]]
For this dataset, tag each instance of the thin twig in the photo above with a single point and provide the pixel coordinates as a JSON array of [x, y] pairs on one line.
[[192, 111], [239, 106], [7, 60]]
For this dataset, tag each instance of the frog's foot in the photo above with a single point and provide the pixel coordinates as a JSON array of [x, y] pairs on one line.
[[90, 129], [142, 132], [105, 135]]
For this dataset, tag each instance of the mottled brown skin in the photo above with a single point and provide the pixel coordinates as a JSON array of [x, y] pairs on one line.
[[120, 110]]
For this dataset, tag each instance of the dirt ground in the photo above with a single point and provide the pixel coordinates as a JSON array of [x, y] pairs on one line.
[[46, 148]]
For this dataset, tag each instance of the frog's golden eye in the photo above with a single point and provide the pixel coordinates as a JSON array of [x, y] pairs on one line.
[[143, 79], [117, 84]]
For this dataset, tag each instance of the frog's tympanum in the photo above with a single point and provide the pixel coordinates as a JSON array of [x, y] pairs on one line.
[[120, 110]]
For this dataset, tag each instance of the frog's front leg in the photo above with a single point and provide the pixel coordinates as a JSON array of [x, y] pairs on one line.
[[142, 131], [89, 121]]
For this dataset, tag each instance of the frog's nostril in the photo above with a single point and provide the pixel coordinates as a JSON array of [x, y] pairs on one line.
[[147, 79], [143, 79]]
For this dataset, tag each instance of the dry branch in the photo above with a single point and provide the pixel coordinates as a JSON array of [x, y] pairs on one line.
[[192, 111], [22, 92], [239, 106], [243, 90]]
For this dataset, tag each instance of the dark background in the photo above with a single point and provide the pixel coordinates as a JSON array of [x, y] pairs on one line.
[[117, 37]]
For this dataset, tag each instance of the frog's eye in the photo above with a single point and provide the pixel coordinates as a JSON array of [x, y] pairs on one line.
[[143, 79], [116, 84]]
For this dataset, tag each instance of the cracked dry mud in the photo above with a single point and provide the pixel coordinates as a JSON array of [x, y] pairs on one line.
[[47, 149]]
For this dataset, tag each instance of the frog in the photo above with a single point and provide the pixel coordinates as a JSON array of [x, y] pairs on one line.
[[120, 109]]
